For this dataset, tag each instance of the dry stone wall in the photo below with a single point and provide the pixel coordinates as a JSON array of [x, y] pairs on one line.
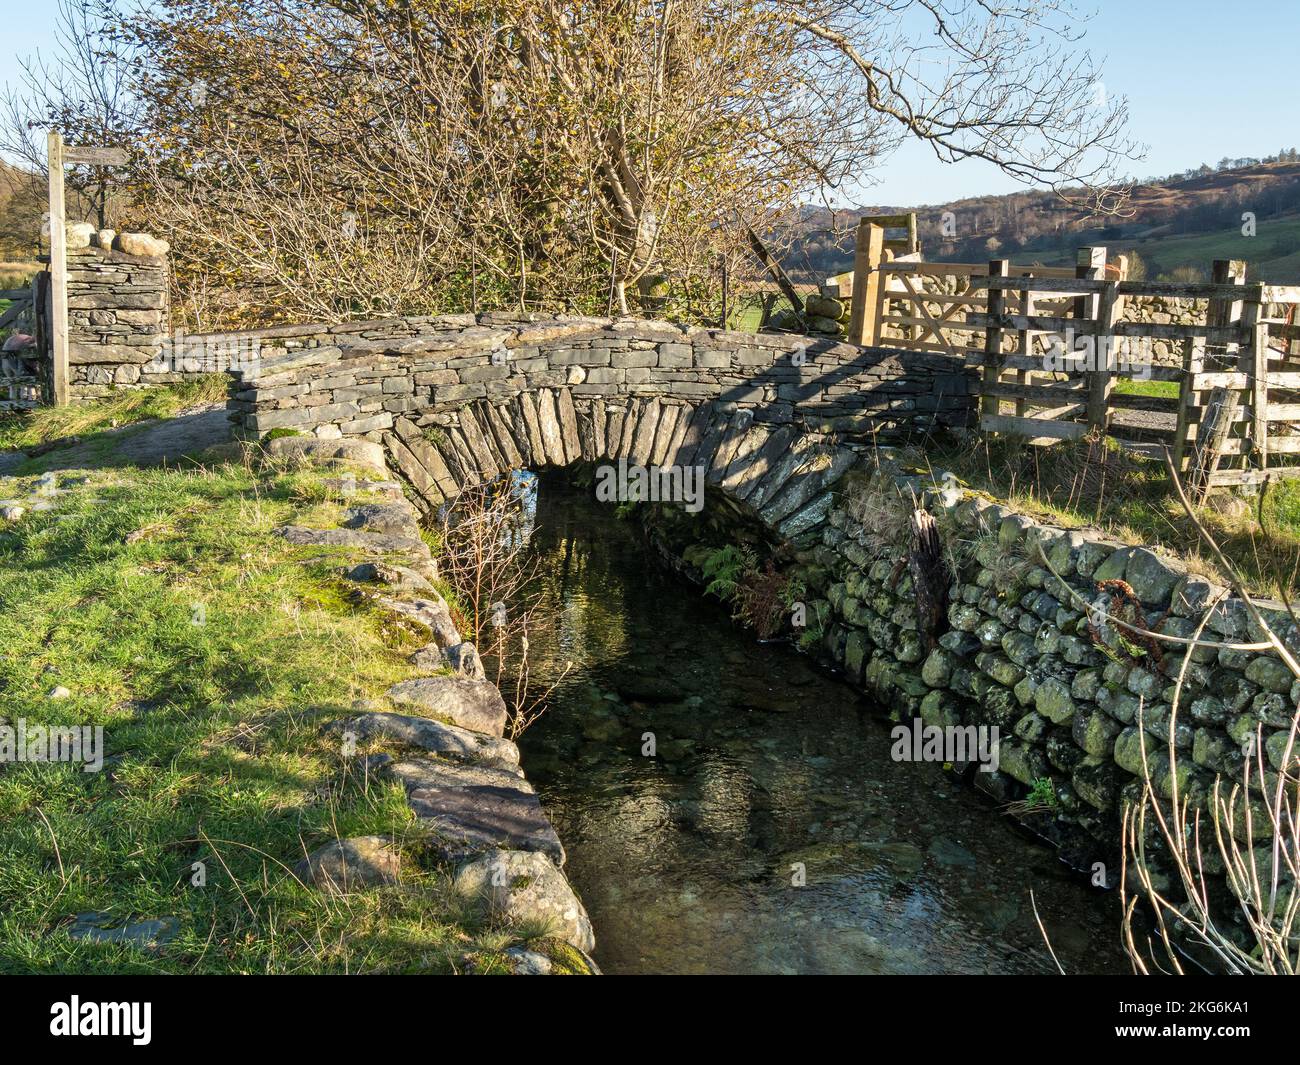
[[118, 319], [1076, 701]]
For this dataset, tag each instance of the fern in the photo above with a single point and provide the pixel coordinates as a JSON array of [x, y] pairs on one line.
[[724, 567]]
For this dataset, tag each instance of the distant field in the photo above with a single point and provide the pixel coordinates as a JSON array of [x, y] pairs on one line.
[[1273, 254]]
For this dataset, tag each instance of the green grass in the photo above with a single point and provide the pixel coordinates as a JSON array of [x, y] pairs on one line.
[[1272, 255], [21, 430], [1160, 389], [212, 653]]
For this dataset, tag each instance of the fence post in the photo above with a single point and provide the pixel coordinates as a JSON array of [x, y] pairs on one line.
[[1102, 378], [1259, 392], [990, 405], [58, 274], [1223, 312], [869, 253], [1193, 363], [1090, 265]]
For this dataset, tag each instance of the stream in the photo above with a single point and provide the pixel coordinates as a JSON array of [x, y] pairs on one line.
[[764, 765]]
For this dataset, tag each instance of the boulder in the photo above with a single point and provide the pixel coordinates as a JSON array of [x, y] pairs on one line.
[[526, 887], [346, 865], [432, 613], [463, 701], [464, 659], [433, 736], [141, 244], [469, 809], [78, 234], [384, 517], [399, 578]]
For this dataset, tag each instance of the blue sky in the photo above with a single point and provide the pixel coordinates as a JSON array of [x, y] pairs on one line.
[[1204, 79]]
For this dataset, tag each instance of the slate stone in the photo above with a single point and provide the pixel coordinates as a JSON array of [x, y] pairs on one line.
[[467, 818], [379, 542], [401, 518], [149, 935], [469, 703], [433, 736]]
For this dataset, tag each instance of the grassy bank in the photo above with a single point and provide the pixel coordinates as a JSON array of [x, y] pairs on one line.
[[46, 426], [211, 653], [1133, 501]]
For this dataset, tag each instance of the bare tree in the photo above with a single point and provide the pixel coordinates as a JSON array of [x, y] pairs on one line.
[[84, 90], [542, 151], [486, 558]]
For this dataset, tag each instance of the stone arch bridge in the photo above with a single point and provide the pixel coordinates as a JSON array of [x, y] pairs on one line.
[[774, 420]]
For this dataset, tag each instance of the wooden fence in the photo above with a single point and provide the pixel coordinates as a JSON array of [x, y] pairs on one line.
[[1054, 344], [20, 389]]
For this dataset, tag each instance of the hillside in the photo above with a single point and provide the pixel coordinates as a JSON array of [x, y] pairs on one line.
[[1179, 224], [22, 206]]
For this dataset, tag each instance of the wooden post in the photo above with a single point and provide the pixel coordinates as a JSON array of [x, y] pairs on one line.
[[1025, 348], [1223, 312], [990, 405], [913, 243], [1090, 265], [1259, 393], [1102, 377], [1193, 363], [869, 253], [58, 275], [1220, 412]]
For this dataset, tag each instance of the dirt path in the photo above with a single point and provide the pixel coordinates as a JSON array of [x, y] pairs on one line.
[[151, 443]]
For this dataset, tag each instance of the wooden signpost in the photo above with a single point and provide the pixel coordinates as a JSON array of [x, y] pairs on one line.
[[61, 155]]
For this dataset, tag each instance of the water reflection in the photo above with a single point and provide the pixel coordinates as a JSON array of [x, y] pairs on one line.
[[763, 767]]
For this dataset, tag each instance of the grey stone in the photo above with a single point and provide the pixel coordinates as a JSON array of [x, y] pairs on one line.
[[1270, 674], [379, 542], [1150, 577], [433, 736], [343, 866], [432, 613], [476, 809], [399, 578], [384, 517], [525, 886], [464, 658], [149, 935], [463, 701]]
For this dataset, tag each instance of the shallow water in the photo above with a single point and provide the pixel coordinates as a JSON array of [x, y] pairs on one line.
[[684, 860]]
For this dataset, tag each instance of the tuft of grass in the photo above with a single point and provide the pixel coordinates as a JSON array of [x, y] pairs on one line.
[[212, 654], [21, 430]]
